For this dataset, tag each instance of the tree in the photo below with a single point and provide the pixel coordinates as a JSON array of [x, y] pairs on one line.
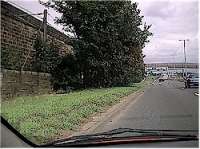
[[66, 73], [108, 42], [46, 56], [38, 55], [52, 57]]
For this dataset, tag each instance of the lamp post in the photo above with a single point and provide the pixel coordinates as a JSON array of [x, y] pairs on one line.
[[184, 42]]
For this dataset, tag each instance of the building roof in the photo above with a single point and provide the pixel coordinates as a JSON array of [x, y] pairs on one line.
[[171, 65]]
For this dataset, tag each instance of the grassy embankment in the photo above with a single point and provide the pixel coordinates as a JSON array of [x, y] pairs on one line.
[[42, 118]]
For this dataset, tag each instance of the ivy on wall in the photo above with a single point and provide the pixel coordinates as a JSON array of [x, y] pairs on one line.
[[11, 58], [44, 59]]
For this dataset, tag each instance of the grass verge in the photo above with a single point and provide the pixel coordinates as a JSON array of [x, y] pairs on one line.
[[41, 118]]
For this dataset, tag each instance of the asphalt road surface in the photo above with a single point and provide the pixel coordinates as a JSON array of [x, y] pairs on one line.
[[165, 105]]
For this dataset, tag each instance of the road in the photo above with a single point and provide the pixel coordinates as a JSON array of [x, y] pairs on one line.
[[165, 105]]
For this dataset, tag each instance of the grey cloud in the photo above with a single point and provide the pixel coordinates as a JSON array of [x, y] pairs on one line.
[[171, 21], [160, 9]]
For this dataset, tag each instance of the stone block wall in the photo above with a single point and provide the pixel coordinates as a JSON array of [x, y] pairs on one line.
[[19, 31], [16, 83]]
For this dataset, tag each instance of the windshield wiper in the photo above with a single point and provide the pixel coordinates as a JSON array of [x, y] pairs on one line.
[[135, 135]]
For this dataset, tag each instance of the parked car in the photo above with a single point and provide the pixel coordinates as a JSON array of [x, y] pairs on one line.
[[163, 78], [192, 80], [155, 73]]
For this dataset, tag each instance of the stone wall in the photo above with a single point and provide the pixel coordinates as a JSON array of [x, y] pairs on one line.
[[18, 33], [16, 83], [19, 30]]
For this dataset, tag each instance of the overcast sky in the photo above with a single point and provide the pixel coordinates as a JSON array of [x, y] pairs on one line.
[[171, 20]]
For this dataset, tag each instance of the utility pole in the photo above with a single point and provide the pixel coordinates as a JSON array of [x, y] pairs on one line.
[[45, 26], [44, 40], [184, 42]]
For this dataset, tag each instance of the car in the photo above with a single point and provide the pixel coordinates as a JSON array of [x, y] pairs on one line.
[[155, 73], [163, 78], [192, 80]]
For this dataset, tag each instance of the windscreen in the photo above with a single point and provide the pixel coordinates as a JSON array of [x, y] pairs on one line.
[[72, 68]]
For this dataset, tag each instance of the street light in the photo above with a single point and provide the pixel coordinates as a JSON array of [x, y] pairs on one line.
[[184, 53]]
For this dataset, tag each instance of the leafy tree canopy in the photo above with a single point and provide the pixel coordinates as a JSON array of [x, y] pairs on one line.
[[108, 40]]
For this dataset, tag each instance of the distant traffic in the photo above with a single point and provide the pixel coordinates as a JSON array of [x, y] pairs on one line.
[[189, 76]]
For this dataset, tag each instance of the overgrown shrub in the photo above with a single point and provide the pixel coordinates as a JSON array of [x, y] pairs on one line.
[[66, 74]]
